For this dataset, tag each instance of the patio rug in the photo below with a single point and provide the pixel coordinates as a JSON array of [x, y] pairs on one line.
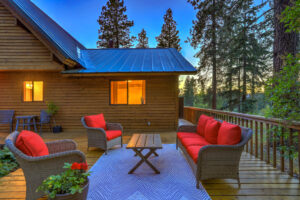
[[110, 179]]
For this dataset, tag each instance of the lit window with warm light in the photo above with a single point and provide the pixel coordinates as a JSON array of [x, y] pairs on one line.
[[132, 92], [33, 91]]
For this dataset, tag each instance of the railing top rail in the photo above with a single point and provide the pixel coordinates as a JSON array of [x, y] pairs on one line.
[[294, 125]]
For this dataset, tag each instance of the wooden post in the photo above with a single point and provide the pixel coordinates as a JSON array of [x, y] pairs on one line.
[[251, 142], [247, 145], [281, 151], [268, 142], [256, 139], [299, 152], [274, 150], [261, 141], [291, 162]]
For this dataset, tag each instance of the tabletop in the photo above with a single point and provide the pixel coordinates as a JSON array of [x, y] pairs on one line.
[[145, 141]]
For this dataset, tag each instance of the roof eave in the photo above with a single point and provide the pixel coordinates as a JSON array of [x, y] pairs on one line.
[[60, 54]]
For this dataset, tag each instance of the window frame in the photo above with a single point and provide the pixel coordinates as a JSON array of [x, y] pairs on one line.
[[112, 80], [32, 96]]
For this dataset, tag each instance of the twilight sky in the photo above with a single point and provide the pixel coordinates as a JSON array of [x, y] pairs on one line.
[[79, 18]]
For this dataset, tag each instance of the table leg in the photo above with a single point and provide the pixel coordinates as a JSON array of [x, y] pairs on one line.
[[144, 159]]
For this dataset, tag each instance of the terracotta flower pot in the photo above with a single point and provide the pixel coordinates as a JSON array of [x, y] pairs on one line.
[[76, 196]]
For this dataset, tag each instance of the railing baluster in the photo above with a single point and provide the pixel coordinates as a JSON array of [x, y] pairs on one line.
[[247, 145], [291, 161], [261, 141], [268, 142], [299, 152], [281, 151], [256, 139], [251, 142], [274, 148]]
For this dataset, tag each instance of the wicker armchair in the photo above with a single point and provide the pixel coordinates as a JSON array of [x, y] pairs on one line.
[[97, 136], [216, 161], [36, 169]]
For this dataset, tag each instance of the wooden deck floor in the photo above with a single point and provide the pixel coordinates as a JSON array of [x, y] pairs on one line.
[[259, 180]]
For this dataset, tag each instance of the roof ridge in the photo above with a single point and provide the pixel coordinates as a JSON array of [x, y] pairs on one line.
[[126, 48]]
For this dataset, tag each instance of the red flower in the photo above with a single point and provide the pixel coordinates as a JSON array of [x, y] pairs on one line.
[[84, 166], [75, 165]]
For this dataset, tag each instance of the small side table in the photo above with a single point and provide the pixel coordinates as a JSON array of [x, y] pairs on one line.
[[28, 121]]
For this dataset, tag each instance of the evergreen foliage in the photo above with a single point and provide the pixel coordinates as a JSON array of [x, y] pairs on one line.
[[169, 37], [142, 40], [189, 91], [114, 29]]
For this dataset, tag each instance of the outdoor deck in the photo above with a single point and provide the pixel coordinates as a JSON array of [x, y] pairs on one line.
[[259, 180]]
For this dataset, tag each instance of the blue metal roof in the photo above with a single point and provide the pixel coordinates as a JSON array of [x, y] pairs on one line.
[[101, 60], [49, 28], [134, 60]]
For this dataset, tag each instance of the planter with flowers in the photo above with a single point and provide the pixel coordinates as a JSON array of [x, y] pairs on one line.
[[70, 184]]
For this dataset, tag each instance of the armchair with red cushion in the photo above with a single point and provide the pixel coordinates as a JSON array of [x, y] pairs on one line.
[[102, 134], [39, 160], [213, 148]]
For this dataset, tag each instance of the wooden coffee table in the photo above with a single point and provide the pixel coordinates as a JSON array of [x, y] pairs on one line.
[[140, 142]]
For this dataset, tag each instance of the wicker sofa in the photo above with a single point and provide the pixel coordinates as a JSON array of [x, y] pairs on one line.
[[36, 169], [215, 161], [97, 137]]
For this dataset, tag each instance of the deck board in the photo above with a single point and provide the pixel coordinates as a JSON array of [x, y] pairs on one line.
[[259, 180]]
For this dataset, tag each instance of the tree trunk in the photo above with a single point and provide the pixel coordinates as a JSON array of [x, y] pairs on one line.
[[214, 61], [284, 43]]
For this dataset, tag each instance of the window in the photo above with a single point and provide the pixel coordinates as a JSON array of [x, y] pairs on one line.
[[131, 92], [33, 91]]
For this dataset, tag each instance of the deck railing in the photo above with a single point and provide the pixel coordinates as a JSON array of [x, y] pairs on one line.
[[265, 143]]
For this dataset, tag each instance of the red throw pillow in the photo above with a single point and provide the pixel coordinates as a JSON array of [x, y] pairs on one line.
[[95, 121], [211, 131], [31, 144], [229, 134], [201, 124]]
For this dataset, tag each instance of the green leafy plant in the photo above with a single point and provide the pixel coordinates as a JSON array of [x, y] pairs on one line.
[[8, 162], [70, 181], [291, 17], [52, 109]]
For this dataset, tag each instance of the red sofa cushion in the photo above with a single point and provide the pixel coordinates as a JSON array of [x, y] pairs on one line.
[[186, 142], [201, 124], [181, 135], [193, 151], [112, 134], [31, 144], [95, 121], [229, 134], [211, 131]]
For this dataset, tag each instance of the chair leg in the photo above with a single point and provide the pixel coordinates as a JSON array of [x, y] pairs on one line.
[[121, 141], [239, 182], [176, 143], [41, 128], [106, 152], [198, 184]]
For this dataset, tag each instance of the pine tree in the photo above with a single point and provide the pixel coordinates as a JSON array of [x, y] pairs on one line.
[[189, 91], [204, 32], [142, 40], [169, 37], [284, 42], [114, 29]]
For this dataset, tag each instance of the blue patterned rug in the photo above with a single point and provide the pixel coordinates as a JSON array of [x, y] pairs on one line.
[[110, 179]]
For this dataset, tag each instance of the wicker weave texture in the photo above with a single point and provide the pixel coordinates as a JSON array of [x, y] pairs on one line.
[[36, 169]]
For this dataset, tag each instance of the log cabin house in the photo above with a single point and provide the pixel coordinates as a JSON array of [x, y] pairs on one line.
[[41, 62]]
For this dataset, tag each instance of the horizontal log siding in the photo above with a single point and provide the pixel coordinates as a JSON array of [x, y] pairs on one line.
[[20, 49], [77, 97]]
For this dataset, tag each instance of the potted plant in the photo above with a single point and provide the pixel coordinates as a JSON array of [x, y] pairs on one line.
[[70, 184], [52, 110]]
